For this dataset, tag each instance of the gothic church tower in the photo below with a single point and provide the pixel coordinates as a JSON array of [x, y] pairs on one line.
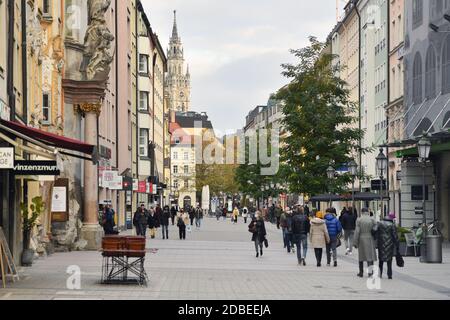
[[178, 83]]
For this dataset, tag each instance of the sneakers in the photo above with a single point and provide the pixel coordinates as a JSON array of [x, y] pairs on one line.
[[360, 275]]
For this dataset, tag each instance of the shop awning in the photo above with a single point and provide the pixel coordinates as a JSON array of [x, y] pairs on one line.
[[48, 138], [359, 196]]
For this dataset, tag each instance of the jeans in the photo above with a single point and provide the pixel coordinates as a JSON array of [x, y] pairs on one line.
[[141, 230], [165, 231], [318, 253], [260, 245], [301, 240], [331, 247], [348, 236], [389, 266], [289, 242], [182, 232], [198, 222]]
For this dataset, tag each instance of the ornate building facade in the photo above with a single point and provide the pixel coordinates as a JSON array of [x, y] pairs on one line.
[[178, 82]]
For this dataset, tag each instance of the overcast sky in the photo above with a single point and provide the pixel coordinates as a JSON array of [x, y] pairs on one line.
[[235, 48]]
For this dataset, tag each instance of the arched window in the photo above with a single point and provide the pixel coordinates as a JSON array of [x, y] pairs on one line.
[[417, 79], [446, 66], [430, 74]]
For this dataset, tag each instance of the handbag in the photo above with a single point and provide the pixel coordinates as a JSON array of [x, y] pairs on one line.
[[266, 243], [399, 260], [338, 243]]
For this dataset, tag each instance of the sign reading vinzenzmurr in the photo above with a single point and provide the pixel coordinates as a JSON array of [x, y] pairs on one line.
[[38, 168]]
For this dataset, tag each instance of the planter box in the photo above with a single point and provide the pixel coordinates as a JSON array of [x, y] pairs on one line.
[[410, 251]]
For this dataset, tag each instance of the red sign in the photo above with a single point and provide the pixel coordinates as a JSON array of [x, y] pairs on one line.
[[142, 187]]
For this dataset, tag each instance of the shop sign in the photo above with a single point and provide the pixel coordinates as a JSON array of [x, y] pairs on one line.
[[135, 184], [6, 158], [36, 168], [142, 187], [112, 180], [5, 111], [60, 201]]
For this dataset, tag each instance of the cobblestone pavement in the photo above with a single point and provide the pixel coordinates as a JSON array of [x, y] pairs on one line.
[[218, 262]]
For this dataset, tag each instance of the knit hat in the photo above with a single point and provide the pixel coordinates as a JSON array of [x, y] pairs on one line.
[[319, 214]]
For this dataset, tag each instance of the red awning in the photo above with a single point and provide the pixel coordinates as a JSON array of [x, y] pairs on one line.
[[50, 138]]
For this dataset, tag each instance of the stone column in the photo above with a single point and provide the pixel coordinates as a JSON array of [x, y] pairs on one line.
[[91, 230]]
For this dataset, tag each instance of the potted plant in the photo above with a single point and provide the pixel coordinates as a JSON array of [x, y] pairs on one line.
[[29, 222]]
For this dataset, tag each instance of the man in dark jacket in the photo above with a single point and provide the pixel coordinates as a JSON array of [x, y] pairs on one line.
[[348, 222], [300, 230], [191, 214], [198, 214], [158, 214], [165, 216], [334, 229], [173, 213], [109, 223], [140, 220]]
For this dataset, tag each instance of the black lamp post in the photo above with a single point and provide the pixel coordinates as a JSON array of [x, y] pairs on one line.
[[353, 167], [381, 164], [331, 172], [424, 148]]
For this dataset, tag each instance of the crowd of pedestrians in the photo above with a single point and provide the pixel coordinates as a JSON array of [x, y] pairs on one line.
[[328, 232]]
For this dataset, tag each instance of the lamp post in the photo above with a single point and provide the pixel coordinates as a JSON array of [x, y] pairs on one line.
[[424, 148], [381, 164], [353, 167], [331, 172]]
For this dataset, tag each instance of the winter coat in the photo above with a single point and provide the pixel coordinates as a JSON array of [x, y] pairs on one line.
[[387, 240], [283, 222], [260, 233], [348, 221], [165, 216], [364, 240], [158, 217], [218, 212], [198, 213], [319, 234], [235, 213], [173, 212], [300, 225], [140, 218], [333, 225], [151, 221], [245, 212]]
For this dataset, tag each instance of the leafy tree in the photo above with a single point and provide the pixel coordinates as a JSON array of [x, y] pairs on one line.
[[320, 120]]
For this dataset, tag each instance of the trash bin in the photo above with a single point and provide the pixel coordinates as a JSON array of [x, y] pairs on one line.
[[434, 248]]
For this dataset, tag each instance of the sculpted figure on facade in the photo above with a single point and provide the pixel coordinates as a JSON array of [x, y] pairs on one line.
[[97, 42]]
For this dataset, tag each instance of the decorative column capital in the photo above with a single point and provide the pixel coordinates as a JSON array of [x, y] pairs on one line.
[[89, 108]]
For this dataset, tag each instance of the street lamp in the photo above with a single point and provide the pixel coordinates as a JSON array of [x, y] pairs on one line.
[[424, 148], [353, 167], [331, 172], [381, 164]]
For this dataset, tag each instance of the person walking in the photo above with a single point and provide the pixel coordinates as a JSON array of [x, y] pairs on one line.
[[191, 212], [258, 229], [140, 220], [278, 212], [286, 228], [198, 215], [334, 228], [224, 213], [181, 224], [108, 221], [319, 236], [364, 241], [151, 224], [300, 229], [387, 242], [218, 213], [348, 222], [173, 213], [245, 214], [165, 217], [187, 218], [235, 215]]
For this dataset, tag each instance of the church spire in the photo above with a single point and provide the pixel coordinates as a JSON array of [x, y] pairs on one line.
[[175, 29]]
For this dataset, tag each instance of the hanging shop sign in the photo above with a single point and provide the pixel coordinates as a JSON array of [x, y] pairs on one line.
[[142, 187], [135, 184], [112, 180], [60, 201], [6, 158], [127, 184], [36, 168]]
